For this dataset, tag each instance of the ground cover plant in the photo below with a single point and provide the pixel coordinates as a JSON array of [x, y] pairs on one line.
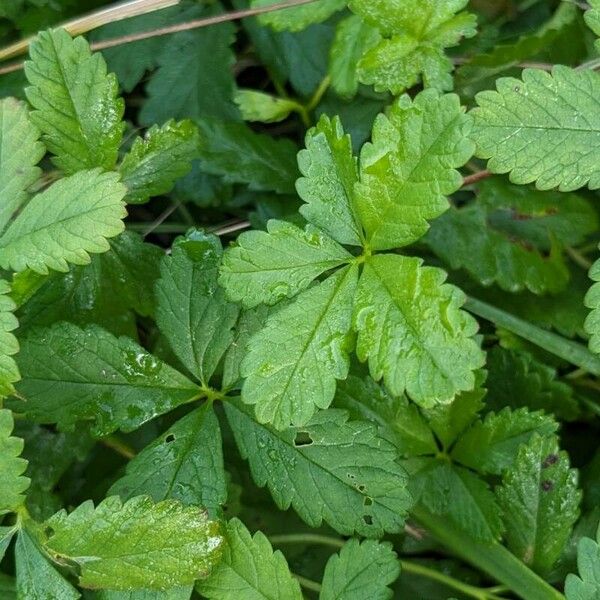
[[299, 300]]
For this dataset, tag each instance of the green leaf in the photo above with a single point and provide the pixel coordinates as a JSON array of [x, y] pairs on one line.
[[72, 374], [330, 175], [457, 495], [194, 78], [66, 222], [491, 445], [415, 34], [361, 570], [184, 463], [592, 301], [50, 455], [265, 108], [131, 61], [517, 380], [156, 161], [234, 151], [586, 586], [353, 37], [293, 363], [249, 323], [138, 544], [331, 470], [251, 568], [103, 292], [6, 536], [12, 466], [75, 102], [410, 167], [36, 578], [516, 234], [297, 18], [9, 346], [592, 18], [20, 151], [398, 420], [540, 502], [192, 312], [448, 421], [266, 267], [543, 128], [412, 331]]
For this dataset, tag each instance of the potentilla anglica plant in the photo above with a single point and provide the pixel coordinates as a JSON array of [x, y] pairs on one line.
[[298, 300]]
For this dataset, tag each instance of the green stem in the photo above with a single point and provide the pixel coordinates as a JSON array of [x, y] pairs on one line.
[[491, 557], [318, 95], [308, 584], [566, 349], [114, 443], [450, 582], [407, 566], [307, 538]]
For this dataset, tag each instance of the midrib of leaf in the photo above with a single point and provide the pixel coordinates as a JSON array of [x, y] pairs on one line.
[[315, 329], [66, 87]]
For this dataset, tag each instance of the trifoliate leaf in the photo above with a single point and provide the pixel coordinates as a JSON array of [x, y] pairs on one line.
[[516, 235], [361, 570], [330, 174], [37, 579], [9, 346], [192, 310], [540, 502], [412, 331], [398, 420], [586, 586], [592, 301], [592, 18], [265, 267], [72, 374], [264, 108], [410, 167], [103, 292], [197, 64], [251, 568], [75, 102], [491, 445], [20, 151], [12, 466], [331, 470], [157, 160], [353, 37], [517, 380], [137, 544], [292, 364], [184, 463], [300, 17], [234, 151], [448, 421], [65, 223], [542, 129], [415, 35], [457, 495]]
